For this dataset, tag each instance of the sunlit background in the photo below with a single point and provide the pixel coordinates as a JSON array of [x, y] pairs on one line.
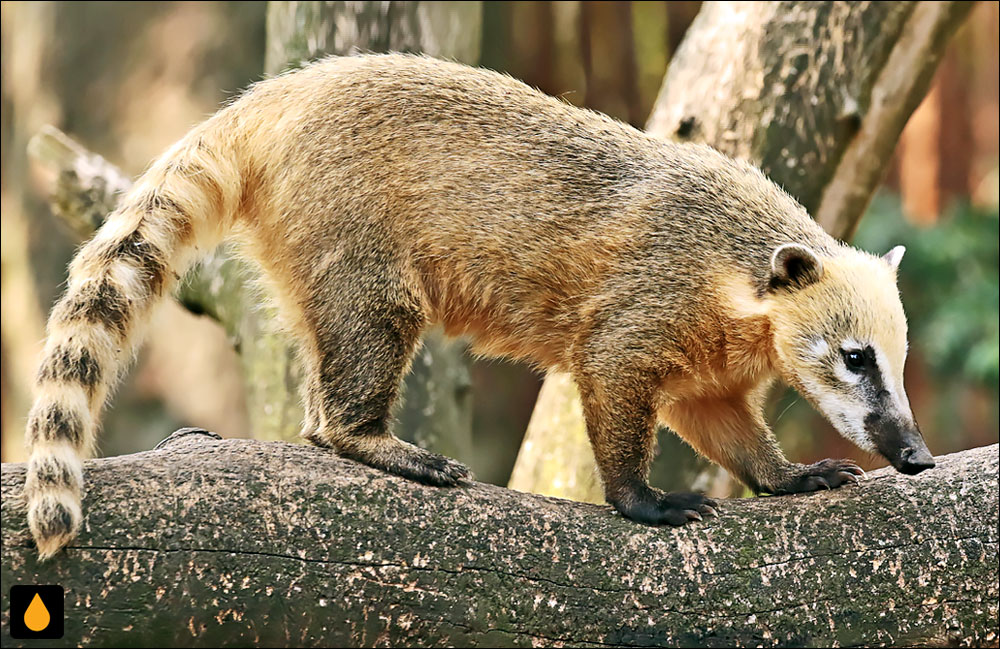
[[128, 79]]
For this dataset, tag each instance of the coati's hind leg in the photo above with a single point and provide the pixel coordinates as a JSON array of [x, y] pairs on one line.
[[621, 427], [365, 335]]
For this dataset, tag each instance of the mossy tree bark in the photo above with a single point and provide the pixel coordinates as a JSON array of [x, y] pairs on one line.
[[816, 94], [241, 542]]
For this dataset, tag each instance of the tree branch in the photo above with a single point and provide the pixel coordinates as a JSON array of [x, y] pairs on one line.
[[87, 186], [897, 92], [242, 542], [815, 93]]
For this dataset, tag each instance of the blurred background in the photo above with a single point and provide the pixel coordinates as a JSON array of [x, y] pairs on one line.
[[128, 79]]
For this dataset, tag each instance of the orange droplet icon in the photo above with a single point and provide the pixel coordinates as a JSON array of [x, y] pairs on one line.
[[36, 617]]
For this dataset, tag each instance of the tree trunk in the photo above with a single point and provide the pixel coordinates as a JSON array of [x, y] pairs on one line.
[[25, 31], [816, 94], [302, 31], [558, 414], [210, 542]]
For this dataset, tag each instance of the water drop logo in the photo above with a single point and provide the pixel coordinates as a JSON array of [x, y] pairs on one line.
[[37, 616], [36, 612]]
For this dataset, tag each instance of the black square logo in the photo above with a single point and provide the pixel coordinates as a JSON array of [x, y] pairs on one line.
[[36, 612]]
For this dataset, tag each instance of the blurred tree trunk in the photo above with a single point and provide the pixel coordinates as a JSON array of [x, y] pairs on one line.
[[437, 411], [302, 31], [937, 150], [27, 28], [816, 94], [555, 457], [607, 52]]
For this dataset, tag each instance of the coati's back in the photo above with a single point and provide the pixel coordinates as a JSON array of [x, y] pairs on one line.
[[384, 193], [514, 207]]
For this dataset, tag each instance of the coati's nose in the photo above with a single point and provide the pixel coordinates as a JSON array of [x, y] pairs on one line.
[[915, 460], [902, 445]]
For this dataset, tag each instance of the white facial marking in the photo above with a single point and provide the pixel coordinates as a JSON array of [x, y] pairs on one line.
[[850, 344], [846, 375], [895, 387], [845, 415], [817, 348]]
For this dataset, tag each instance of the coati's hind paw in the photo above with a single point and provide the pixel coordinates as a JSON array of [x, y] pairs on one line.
[[408, 461], [430, 468], [654, 507], [397, 457], [826, 474]]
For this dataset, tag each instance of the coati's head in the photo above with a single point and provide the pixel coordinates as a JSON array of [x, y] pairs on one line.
[[840, 338]]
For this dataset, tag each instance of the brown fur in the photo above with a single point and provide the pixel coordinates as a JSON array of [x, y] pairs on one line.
[[382, 194]]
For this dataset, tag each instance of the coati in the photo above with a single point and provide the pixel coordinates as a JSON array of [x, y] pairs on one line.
[[384, 193]]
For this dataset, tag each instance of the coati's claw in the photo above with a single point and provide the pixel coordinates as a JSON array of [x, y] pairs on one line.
[[433, 469], [654, 507], [848, 476], [826, 474], [412, 462]]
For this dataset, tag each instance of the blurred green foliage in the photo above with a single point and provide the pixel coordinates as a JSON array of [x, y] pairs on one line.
[[949, 282]]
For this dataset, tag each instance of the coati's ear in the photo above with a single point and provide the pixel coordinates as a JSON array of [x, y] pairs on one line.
[[894, 256], [794, 266]]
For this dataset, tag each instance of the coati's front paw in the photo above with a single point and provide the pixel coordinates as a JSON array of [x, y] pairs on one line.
[[826, 474], [655, 507]]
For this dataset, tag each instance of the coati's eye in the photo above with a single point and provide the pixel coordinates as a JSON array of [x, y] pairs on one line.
[[853, 359]]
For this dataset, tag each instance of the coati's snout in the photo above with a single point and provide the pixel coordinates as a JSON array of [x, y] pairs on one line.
[[901, 444]]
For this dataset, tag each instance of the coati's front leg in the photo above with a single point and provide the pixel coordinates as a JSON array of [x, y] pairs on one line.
[[621, 427], [731, 431], [365, 336]]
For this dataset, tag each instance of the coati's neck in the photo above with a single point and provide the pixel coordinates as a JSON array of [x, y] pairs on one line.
[[724, 211]]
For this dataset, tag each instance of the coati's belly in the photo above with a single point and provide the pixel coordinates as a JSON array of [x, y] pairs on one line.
[[507, 316]]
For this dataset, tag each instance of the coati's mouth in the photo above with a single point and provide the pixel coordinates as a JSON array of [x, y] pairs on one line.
[[902, 445]]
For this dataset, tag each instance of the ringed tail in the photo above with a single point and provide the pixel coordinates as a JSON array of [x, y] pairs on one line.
[[180, 207]]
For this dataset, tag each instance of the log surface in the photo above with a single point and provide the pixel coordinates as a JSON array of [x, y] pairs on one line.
[[210, 542]]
